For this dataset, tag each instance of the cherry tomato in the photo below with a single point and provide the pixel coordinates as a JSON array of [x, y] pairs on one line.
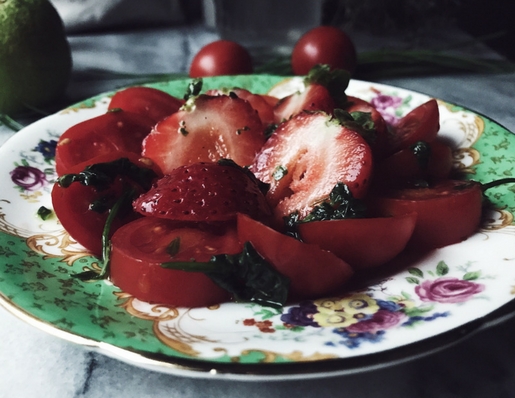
[[116, 131], [447, 212], [361, 242], [313, 272], [324, 45], [140, 247], [153, 103], [421, 124], [222, 57], [72, 205]]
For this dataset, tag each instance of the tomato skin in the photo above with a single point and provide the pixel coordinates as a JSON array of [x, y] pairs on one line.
[[404, 164], [420, 124], [72, 205], [447, 213], [139, 249], [361, 242], [147, 101], [313, 272], [324, 45], [221, 57], [116, 131]]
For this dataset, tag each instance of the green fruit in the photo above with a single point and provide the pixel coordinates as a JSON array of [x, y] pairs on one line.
[[35, 57]]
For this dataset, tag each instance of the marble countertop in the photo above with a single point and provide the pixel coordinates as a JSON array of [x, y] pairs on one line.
[[34, 363]]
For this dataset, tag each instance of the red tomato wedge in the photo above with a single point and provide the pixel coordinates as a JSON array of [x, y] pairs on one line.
[[361, 242], [405, 164], [116, 131], [306, 157], [140, 247], [313, 272], [421, 124], [447, 213], [147, 101], [214, 127], [72, 205]]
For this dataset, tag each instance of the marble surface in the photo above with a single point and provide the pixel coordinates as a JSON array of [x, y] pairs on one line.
[[34, 363]]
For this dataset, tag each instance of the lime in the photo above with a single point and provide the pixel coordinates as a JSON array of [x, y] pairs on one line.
[[35, 57]]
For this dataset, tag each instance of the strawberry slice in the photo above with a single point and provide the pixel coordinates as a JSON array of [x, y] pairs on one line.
[[314, 97], [259, 102], [306, 157], [205, 192], [323, 90], [206, 129]]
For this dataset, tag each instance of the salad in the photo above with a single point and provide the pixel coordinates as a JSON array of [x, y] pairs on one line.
[[232, 195]]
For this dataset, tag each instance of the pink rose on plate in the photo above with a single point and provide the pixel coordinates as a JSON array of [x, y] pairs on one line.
[[448, 290], [381, 320], [382, 101]]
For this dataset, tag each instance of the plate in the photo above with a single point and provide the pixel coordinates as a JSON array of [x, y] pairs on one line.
[[429, 303]]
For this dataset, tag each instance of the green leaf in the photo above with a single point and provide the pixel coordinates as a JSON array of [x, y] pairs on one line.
[[412, 279], [416, 272], [442, 269], [247, 276], [470, 276]]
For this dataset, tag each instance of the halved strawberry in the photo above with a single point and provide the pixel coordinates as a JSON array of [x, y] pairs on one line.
[[205, 192], [314, 97], [323, 90], [306, 157], [259, 102], [206, 129]]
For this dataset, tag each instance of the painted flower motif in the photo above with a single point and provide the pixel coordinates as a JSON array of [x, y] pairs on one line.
[[382, 101], [28, 177], [381, 320], [301, 315], [448, 290], [47, 149], [354, 304]]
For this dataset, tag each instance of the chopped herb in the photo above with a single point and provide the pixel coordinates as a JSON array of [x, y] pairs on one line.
[[269, 130], [194, 88], [336, 81], [340, 204], [173, 248], [182, 128], [44, 213], [422, 152], [246, 275], [102, 175], [239, 131], [122, 202], [279, 173], [360, 122]]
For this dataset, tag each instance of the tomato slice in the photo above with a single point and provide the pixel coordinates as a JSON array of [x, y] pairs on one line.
[[361, 242], [72, 205], [313, 272], [405, 164], [147, 101], [421, 124], [447, 213], [140, 247], [116, 131]]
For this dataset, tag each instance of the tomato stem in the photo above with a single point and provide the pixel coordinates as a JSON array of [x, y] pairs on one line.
[[491, 184]]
